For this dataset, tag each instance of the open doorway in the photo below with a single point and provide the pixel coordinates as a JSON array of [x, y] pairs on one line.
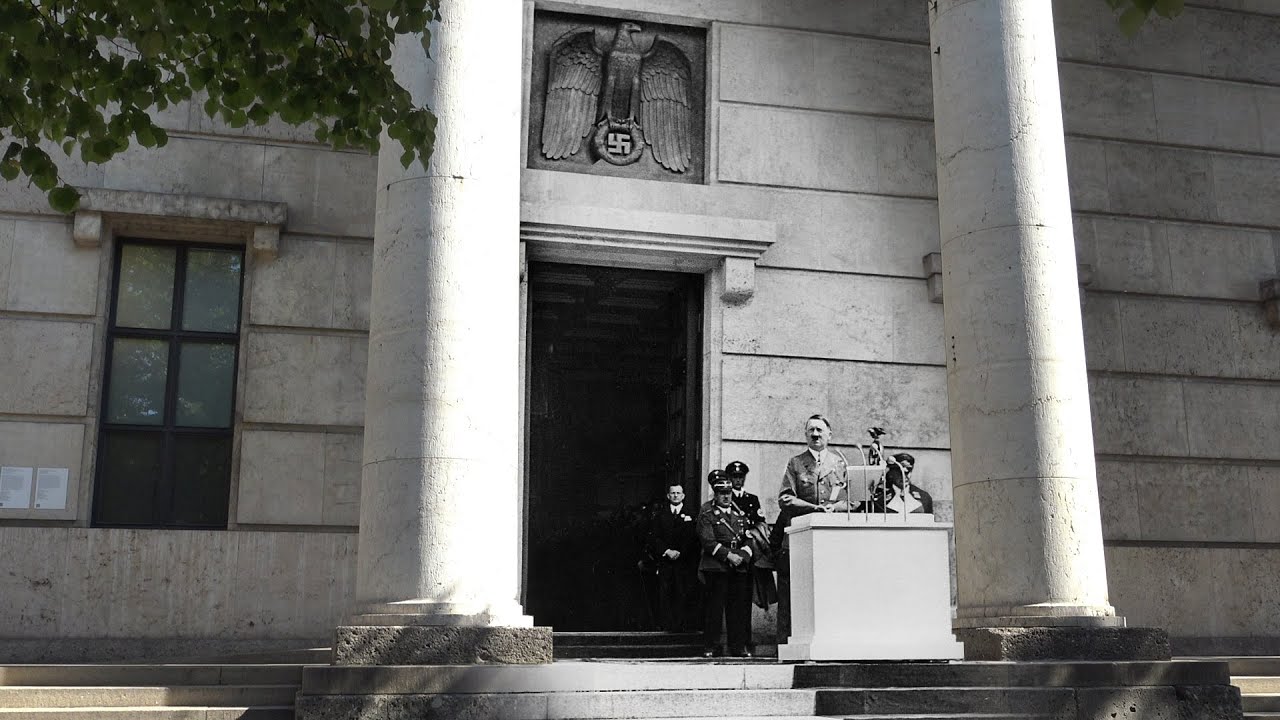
[[614, 415]]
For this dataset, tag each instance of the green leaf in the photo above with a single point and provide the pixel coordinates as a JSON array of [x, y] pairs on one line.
[[1132, 20], [9, 170], [64, 198]]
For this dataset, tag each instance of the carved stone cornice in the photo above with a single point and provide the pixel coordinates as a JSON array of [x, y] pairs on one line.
[[651, 240]]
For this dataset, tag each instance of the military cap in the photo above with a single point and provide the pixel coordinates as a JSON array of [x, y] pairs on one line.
[[719, 480], [737, 467]]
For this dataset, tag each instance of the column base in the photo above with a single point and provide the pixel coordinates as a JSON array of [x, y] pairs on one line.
[[441, 645], [1064, 643]]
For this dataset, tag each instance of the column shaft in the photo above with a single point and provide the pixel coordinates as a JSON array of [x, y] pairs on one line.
[[439, 513], [1028, 533]]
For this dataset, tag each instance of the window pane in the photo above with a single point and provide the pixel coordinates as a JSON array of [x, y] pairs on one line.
[[201, 480], [212, 298], [145, 299], [139, 369], [205, 372], [128, 470]]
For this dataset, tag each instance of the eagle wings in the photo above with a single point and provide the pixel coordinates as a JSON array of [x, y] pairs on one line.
[[659, 77]]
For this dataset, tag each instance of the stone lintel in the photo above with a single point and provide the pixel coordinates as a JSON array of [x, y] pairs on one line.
[[103, 214], [1064, 643], [441, 645]]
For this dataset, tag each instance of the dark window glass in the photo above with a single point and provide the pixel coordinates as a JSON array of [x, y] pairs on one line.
[[128, 469], [164, 454]]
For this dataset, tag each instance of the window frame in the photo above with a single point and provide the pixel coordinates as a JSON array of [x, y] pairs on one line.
[[162, 501]]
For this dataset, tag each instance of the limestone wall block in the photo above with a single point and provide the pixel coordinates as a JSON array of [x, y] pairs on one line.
[[42, 270], [1246, 189], [304, 379], [196, 166], [1181, 588], [1087, 175], [281, 478], [767, 399], [1233, 420], [1106, 102], [819, 71], [838, 152], [1138, 416], [1118, 501], [1218, 262], [1195, 502], [20, 196], [1262, 7], [883, 18], [48, 364], [1207, 113], [44, 445], [82, 582], [1180, 337], [329, 193], [1265, 503], [342, 464], [1161, 182], [1129, 255], [1240, 46], [1103, 348], [816, 230], [862, 318], [1268, 100], [315, 282]]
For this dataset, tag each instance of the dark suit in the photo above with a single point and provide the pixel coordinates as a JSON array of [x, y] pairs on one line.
[[676, 590], [728, 595], [882, 501]]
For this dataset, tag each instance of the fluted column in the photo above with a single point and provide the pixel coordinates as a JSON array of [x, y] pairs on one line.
[[439, 555], [1027, 527]]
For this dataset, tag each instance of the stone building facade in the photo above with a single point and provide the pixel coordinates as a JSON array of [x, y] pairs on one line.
[[816, 208]]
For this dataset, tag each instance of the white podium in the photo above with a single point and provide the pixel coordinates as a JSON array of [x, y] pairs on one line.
[[869, 587]]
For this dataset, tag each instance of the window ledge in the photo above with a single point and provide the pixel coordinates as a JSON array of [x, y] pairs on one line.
[[104, 214]]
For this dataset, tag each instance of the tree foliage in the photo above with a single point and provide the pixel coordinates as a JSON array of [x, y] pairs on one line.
[[85, 76], [1133, 14]]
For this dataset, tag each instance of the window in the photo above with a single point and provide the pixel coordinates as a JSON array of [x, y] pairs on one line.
[[164, 449]]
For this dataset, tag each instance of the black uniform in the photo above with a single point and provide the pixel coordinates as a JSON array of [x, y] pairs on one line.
[[671, 529], [721, 531]]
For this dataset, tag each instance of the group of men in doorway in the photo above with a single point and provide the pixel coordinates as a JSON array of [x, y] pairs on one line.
[[726, 548]]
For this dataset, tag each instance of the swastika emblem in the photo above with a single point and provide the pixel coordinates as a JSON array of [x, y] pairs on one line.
[[619, 144]]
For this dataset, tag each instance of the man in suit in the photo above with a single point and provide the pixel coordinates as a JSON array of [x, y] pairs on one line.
[[897, 494], [725, 565], [673, 543], [816, 480]]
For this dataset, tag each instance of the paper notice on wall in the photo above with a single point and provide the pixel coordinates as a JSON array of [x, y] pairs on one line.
[[51, 488], [15, 487]]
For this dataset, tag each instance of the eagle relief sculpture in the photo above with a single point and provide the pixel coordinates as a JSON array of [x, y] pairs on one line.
[[598, 89]]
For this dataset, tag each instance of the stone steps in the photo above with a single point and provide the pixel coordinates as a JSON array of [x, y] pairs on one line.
[[150, 713], [152, 696], [158, 674], [622, 645], [1258, 678]]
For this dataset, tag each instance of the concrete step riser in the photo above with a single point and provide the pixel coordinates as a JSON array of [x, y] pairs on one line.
[[1261, 665], [152, 675], [568, 639], [566, 706], [1257, 685], [1261, 703], [211, 696], [922, 701], [146, 713], [623, 652], [1028, 675]]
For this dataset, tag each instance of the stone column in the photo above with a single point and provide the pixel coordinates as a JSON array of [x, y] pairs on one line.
[[439, 554], [1027, 528]]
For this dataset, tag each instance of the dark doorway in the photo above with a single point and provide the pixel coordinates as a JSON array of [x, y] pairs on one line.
[[614, 414]]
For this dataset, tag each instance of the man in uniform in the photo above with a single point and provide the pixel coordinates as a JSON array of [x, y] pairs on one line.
[[891, 497], [726, 568], [763, 590], [814, 481], [673, 543]]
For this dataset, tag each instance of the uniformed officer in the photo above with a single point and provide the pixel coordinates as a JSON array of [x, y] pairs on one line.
[[763, 590], [816, 480], [725, 566], [897, 494]]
